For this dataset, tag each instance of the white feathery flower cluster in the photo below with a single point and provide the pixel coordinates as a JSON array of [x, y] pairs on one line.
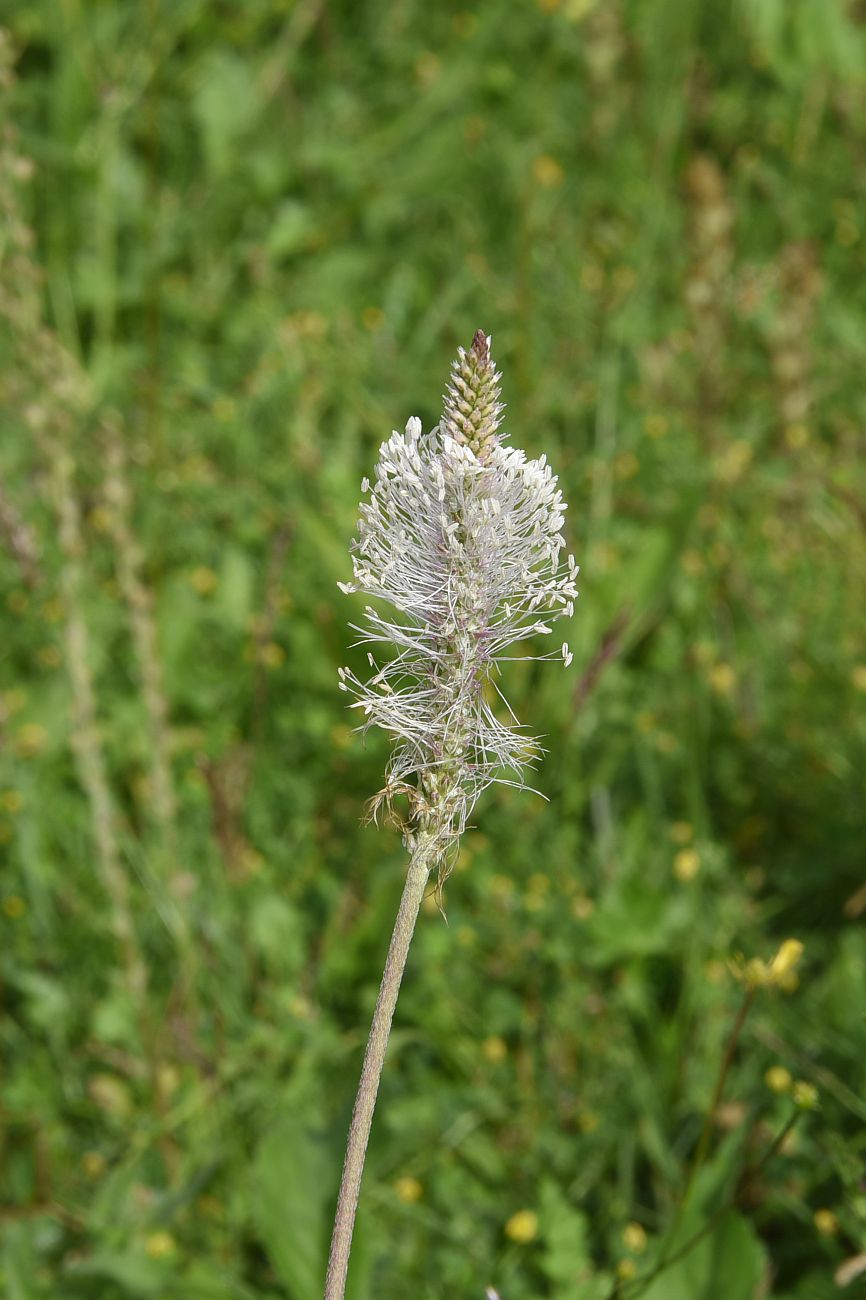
[[464, 542]]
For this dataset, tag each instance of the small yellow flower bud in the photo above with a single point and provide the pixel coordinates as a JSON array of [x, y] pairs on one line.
[[796, 435], [495, 1049], [49, 656], [692, 563], [272, 654], [160, 1244], [634, 1238], [682, 832], [785, 960], [723, 679], [656, 426], [626, 465], [409, 1190], [522, 1227], [30, 740], [687, 864], [778, 1079], [203, 580], [547, 172], [826, 1223], [111, 1094], [805, 1095], [93, 1164]]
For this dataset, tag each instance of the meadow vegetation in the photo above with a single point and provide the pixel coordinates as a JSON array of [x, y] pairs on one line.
[[239, 245]]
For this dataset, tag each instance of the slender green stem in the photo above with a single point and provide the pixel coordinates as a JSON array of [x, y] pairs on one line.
[[371, 1071], [636, 1286], [710, 1118], [703, 1146], [668, 1256]]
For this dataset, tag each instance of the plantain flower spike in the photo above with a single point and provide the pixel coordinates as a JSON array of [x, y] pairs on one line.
[[461, 538]]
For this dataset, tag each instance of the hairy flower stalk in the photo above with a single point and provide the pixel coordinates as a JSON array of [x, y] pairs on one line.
[[461, 537]]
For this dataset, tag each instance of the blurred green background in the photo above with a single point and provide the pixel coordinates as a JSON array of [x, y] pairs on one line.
[[240, 244]]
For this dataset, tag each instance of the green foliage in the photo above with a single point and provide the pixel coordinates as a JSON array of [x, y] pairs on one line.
[[259, 232]]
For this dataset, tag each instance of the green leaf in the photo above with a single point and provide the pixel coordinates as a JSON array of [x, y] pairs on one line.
[[19, 1263], [224, 102], [566, 1258], [726, 1264], [275, 929], [292, 229], [288, 1187], [134, 1271]]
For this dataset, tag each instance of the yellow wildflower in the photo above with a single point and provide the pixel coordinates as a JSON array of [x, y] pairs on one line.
[[785, 960], [428, 67], [372, 318], [796, 436], [778, 973], [626, 465], [203, 580], [634, 1238], [687, 864], [49, 656], [160, 1244], [100, 519], [93, 1164], [655, 426], [778, 1079], [30, 739], [547, 172], [522, 1227], [826, 1222], [52, 610], [409, 1189], [805, 1095], [722, 679], [272, 654], [495, 1049], [13, 701]]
